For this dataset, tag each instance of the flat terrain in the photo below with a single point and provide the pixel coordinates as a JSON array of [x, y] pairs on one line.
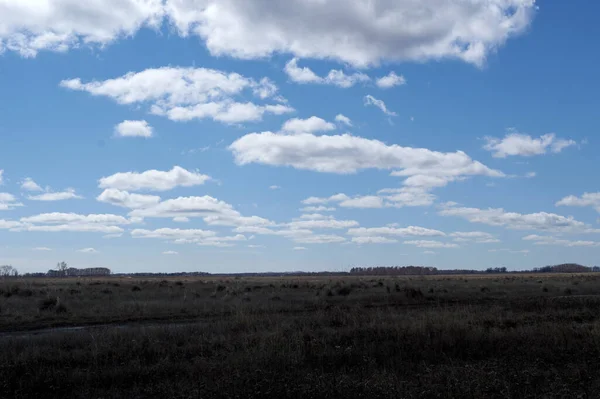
[[482, 336]]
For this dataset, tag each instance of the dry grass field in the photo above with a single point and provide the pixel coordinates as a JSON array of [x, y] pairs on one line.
[[483, 336]]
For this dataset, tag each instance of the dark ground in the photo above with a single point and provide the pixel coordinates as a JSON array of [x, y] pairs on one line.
[[499, 336]]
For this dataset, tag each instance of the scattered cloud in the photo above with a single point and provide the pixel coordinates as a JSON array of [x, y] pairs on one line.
[[43, 249], [390, 80], [478, 237], [170, 253], [310, 125], [29, 185], [300, 248], [587, 199], [129, 128], [550, 240], [319, 208], [71, 222], [373, 240], [181, 219], [56, 196], [183, 94], [8, 202], [518, 144], [394, 231], [274, 187], [125, 199], [370, 100], [334, 77], [88, 251], [430, 244], [516, 221], [344, 120], [154, 180]]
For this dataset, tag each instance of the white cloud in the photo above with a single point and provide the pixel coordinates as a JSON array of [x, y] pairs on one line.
[[390, 80], [370, 100], [343, 119], [429, 252], [1, 177], [43, 249], [28, 26], [549, 240], [349, 154], [274, 187], [373, 240], [183, 94], [154, 180], [329, 223], [361, 34], [310, 125], [29, 185], [9, 224], [253, 246], [8, 202], [534, 221], [515, 143], [430, 244], [181, 219], [56, 196], [124, 199], [335, 77], [478, 237], [129, 128], [319, 208], [587, 199], [300, 248], [189, 236], [170, 253], [319, 239], [88, 251], [407, 196], [71, 222], [393, 231], [368, 201]]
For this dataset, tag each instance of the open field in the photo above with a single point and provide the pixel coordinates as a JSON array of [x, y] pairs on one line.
[[483, 336]]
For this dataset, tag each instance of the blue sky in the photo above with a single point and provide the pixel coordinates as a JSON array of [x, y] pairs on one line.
[[179, 135]]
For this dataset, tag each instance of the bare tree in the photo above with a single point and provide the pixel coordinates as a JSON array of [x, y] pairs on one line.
[[8, 271], [62, 267]]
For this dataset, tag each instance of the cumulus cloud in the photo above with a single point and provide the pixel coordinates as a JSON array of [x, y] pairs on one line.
[[361, 34], [153, 180], [517, 221], [1, 177], [550, 240], [71, 222], [370, 100], [319, 208], [183, 94], [587, 199], [335, 77], [478, 237], [390, 80], [394, 231], [373, 240], [88, 251], [125, 199], [328, 223], [189, 236], [343, 119], [29, 184], [345, 154], [129, 128], [515, 143], [43, 249], [300, 248], [8, 202], [170, 253], [310, 125], [56, 196], [430, 244]]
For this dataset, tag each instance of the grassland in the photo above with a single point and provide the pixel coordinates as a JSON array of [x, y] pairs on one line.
[[497, 336]]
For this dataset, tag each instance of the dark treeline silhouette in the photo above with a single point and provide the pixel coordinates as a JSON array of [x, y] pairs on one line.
[[426, 270]]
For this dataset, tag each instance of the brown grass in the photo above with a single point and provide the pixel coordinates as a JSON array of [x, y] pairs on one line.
[[355, 337]]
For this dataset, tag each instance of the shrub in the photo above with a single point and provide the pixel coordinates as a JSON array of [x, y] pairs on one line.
[[135, 288], [74, 292], [61, 309], [413, 293], [221, 288], [106, 291], [344, 291], [568, 291], [48, 303]]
